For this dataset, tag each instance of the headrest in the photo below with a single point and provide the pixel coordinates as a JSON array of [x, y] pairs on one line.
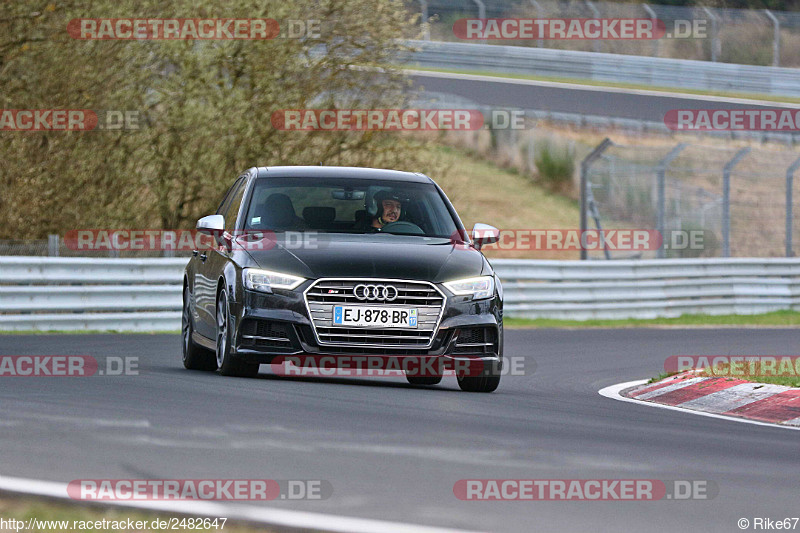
[[319, 217]]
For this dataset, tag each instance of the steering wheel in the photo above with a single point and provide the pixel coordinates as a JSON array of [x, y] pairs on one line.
[[403, 227]]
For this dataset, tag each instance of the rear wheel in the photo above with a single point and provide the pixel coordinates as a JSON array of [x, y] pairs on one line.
[[194, 357], [227, 363]]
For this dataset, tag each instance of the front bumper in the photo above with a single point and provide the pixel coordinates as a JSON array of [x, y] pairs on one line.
[[270, 326]]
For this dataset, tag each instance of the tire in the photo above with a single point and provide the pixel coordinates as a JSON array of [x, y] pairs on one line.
[[424, 380], [488, 381], [226, 360], [194, 357]]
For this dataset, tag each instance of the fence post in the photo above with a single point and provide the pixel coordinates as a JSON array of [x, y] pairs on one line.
[[52, 245], [595, 14], [715, 44], [726, 200], [481, 15], [653, 17], [661, 173], [481, 9], [426, 28], [776, 38], [538, 6], [585, 164], [789, 189]]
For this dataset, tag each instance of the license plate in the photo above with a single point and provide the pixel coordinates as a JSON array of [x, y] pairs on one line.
[[361, 316]]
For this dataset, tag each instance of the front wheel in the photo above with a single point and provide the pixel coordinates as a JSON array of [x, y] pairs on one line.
[[486, 381], [194, 357], [227, 363]]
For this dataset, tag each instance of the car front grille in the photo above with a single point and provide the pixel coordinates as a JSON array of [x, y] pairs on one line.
[[422, 296]]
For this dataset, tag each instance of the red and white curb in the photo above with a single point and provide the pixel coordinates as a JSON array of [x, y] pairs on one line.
[[717, 397]]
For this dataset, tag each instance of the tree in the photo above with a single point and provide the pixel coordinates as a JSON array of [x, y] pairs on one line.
[[203, 107]]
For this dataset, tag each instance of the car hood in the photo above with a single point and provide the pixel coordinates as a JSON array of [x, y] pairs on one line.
[[374, 256]]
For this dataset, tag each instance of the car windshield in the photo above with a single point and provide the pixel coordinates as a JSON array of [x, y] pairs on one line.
[[348, 206]]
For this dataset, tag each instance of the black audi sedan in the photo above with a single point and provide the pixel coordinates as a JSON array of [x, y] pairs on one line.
[[343, 262]]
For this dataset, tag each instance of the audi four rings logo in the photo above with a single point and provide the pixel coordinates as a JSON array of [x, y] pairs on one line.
[[375, 292]]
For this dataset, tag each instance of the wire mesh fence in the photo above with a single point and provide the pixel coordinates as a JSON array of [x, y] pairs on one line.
[[744, 36], [705, 201]]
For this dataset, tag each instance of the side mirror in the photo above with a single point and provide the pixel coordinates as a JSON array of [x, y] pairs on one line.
[[211, 225], [483, 234]]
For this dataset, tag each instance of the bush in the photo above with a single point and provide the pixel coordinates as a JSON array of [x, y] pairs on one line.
[[555, 166]]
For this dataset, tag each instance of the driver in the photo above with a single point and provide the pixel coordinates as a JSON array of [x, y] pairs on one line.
[[390, 206]]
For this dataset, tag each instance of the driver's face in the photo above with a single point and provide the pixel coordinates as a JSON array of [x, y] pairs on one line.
[[391, 211]]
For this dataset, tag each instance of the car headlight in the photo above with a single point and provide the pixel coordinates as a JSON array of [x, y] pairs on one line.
[[256, 279], [480, 288]]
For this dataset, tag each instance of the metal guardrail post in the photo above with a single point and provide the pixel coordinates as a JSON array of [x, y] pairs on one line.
[[481, 9], [585, 164], [715, 44], [538, 6], [726, 200], [661, 173], [426, 27], [776, 38], [52, 245], [654, 17], [481, 15], [595, 14], [789, 207]]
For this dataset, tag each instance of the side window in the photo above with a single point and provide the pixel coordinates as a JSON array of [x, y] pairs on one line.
[[226, 201], [234, 203]]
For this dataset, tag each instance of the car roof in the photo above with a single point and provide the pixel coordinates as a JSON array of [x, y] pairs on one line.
[[341, 172]]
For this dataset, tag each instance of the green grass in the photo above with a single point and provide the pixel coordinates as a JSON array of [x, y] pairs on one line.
[[777, 318], [753, 374], [788, 381], [663, 375], [620, 85]]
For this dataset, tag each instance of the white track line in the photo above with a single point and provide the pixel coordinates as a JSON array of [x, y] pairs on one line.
[[602, 89], [614, 391], [276, 518]]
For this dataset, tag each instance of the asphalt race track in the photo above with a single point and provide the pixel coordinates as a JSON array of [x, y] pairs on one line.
[[393, 451], [584, 100]]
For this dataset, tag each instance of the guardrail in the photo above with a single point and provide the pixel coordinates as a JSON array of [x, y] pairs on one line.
[[582, 290], [655, 71], [69, 294], [73, 294]]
